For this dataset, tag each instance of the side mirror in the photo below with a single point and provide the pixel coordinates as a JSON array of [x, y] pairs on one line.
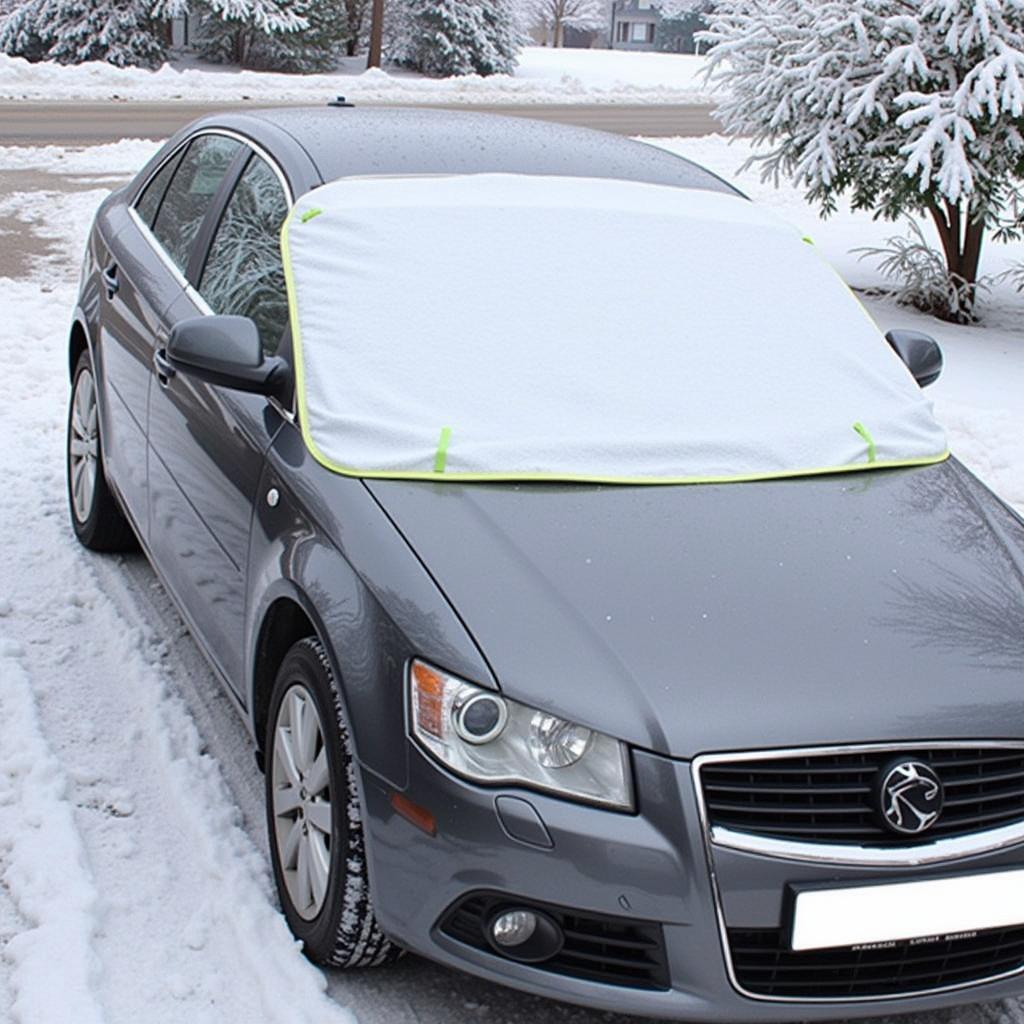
[[920, 352], [224, 350]]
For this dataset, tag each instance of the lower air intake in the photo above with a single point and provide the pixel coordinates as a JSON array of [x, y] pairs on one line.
[[764, 966], [610, 950]]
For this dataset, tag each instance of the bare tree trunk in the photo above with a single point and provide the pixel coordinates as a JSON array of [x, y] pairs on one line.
[[973, 238], [557, 40], [376, 34], [961, 236]]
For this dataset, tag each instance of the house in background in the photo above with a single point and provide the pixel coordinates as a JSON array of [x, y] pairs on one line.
[[634, 25], [639, 25]]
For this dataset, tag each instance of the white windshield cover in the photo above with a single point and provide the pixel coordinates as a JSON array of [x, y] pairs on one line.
[[501, 326]]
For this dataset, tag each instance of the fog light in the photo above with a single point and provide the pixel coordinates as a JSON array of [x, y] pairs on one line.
[[525, 935], [514, 927]]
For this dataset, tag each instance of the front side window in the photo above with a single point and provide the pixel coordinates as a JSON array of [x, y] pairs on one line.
[[188, 197], [243, 273]]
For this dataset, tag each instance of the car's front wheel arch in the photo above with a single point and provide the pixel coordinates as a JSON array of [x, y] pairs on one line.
[[286, 620], [78, 342]]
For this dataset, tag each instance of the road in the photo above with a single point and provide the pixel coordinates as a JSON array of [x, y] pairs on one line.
[[30, 123]]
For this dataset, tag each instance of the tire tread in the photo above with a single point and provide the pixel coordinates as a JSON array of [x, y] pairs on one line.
[[358, 941]]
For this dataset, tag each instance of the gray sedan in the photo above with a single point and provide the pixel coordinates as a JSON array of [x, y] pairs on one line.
[[738, 752]]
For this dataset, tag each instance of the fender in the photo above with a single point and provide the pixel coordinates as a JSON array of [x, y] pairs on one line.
[[373, 622]]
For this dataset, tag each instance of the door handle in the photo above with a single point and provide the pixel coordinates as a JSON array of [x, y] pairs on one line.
[[110, 281], [164, 369]]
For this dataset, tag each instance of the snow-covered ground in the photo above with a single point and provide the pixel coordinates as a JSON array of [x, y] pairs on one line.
[[130, 889], [133, 880], [544, 75]]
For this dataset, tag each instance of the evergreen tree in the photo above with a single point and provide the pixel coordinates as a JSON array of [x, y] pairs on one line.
[[353, 24], [249, 33], [120, 32], [458, 37]]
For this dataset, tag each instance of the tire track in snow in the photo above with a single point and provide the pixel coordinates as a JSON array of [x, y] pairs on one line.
[[44, 866], [184, 926]]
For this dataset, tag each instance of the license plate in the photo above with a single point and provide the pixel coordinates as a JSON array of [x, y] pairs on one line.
[[931, 908]]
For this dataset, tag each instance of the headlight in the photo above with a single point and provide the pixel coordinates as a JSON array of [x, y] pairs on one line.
[[487, 738]]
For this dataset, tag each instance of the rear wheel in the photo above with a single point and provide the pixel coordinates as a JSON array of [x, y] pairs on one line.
[[314, 819], [98, 522]]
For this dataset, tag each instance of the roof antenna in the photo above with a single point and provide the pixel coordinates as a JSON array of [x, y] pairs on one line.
[[339, 101]]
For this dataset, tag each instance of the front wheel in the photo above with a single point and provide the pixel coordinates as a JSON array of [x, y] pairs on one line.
[[95, 516], [314, 818]]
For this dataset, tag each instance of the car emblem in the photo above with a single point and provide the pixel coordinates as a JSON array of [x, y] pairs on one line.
[[910, 797]]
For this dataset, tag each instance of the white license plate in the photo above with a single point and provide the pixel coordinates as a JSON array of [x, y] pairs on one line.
[[931, 908]]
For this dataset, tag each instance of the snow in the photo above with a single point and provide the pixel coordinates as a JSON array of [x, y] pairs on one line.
[[45, 869], [544, 75], [136, 890], [122, 761]]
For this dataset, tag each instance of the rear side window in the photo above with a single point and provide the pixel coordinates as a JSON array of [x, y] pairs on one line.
[[149, 203], [188, 197], [243, 273]]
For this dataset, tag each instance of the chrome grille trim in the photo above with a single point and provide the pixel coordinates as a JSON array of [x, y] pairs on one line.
[[825, 853]]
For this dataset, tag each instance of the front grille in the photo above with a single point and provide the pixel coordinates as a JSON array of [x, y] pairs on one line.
[[612, 950], [764, 966], [831, 798]]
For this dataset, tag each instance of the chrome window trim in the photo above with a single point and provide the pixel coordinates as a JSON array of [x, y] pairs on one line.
[[910, 856], [227, 133], [154, 243]]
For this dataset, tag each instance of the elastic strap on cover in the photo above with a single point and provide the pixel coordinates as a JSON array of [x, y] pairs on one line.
[[863, 431], [442, 450]]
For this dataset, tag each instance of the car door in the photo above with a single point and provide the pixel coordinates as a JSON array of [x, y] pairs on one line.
[[137, 288], [207, 443]]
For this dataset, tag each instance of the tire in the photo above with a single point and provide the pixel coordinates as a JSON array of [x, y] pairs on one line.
[[96, 518], [334, 919]]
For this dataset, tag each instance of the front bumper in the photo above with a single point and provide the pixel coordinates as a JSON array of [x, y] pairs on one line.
[[651, 866]]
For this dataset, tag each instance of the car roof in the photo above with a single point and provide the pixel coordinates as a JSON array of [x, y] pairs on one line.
[[344, 141]]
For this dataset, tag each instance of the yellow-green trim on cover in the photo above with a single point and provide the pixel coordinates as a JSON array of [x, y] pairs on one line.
[[527, 477]]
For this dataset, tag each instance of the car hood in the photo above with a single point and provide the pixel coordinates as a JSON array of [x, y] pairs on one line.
[[859, 607]]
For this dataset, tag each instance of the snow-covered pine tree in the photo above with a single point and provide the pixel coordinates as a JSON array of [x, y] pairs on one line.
[[313, 48], [121, 32], [506, 29], [457, 37], [555, 16], [906, 107], [250, 33], [355, 17]]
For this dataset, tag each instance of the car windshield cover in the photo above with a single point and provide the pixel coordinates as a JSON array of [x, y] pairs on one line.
[[514, 327]]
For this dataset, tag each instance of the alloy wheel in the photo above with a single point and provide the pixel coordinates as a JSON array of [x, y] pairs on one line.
[[83, 445], [302, 801]]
